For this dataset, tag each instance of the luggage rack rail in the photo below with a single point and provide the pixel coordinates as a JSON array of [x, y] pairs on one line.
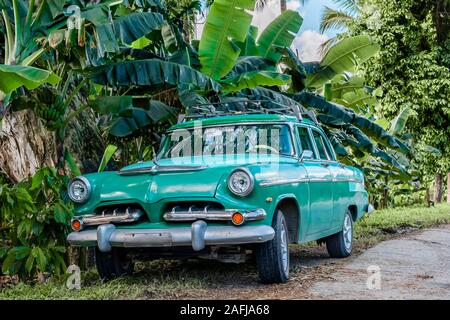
[[225, 108]]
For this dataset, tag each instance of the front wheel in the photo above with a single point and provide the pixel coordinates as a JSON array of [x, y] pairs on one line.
[[340, 245], [113, 264], [272, 257]]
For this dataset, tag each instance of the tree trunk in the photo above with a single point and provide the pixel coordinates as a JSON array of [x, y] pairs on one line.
[[25, 144], [448, 188], [427, 197], [186, 30], [438, 181], [283, 5]]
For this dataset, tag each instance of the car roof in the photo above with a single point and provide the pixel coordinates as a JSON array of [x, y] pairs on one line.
[[241, 118]]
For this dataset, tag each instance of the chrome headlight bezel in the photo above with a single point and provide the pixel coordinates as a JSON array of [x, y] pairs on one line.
[[251, 186], [88, 189]]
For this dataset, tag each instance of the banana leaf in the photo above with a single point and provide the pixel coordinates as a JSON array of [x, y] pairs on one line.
[[343, 57], [363, 143], [123, 115], [226, 25], [250, 63], [151, 72], [249, 47], [343, 86], [399, 123], [340, 116], [133, 26], [254, 79], [15, 76], [279, 33]]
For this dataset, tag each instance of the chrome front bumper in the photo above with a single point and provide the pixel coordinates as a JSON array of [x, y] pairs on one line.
[[198, 236]]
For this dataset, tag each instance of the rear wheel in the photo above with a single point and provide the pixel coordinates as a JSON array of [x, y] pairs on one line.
[[272, 257], [340, 245], [113, 264]]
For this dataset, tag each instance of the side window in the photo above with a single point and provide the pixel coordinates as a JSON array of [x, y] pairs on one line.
[[320, 146], [305, 141], [329, 151]]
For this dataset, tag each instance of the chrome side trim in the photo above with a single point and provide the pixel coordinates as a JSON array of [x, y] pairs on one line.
[[292, 181], [157, 169], [282, 182], [347, 180], [148, 238], [320, 180]]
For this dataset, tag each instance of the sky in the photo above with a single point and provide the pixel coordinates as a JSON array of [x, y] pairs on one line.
[[309, 38]]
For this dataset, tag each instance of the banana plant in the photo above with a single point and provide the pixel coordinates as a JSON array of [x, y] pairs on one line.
[[21, 51]]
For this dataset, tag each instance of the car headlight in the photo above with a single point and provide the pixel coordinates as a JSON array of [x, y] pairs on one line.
[[241, 182], [79, 190]]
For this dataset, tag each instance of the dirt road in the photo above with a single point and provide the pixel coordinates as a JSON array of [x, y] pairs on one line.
[[416, 266], [413, 266]]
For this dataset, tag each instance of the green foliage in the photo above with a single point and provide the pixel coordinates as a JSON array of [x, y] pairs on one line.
[[13, 77], [123, 115], [226, 25], [34, 218], [343, 57], [151, 72], [107, 155], [412, 71], [279, 33]]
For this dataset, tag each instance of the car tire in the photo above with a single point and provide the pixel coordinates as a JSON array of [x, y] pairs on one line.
[[113, 264], [340, 245], [272, 257]]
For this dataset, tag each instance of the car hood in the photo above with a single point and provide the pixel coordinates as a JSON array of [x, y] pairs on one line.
[[149, 182]]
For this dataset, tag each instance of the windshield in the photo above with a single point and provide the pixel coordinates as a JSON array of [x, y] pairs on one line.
[[228, 139]]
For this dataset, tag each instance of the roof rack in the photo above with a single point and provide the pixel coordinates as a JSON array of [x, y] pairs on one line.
[[245, 106]]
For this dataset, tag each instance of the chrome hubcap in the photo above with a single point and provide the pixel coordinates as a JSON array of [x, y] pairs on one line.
[[348, 233], [284, 249]]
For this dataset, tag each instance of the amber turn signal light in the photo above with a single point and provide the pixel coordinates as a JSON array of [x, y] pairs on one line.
[[237, 218], [76, 225]]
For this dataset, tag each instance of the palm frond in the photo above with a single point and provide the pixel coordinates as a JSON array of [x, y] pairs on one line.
[[350, 6], [334, 19]]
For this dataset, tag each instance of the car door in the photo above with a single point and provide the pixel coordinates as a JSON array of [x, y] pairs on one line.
[[320, 181], [342, 177]]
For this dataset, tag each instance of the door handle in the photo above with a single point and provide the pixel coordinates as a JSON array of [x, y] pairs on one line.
[[326, 165]]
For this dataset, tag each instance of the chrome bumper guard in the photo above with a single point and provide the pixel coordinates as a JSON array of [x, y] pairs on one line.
[[213, 215], [198, 236]]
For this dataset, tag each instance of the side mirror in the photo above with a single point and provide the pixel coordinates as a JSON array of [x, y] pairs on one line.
[[306, 155]]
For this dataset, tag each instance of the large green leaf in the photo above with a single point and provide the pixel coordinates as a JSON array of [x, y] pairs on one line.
[[399, 123], [343, 86], [227, 23], [343, 57], [15, 76], [133, 26], [151, 72], [337, 115], [126, 114], [107, 155], [250, 63], [249, 47], [253, 79], [280, 32]]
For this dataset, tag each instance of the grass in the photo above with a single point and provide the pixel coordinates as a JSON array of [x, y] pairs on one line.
[[206, 279]]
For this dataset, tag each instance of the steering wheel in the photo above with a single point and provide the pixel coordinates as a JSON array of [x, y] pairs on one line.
[[266, 147]]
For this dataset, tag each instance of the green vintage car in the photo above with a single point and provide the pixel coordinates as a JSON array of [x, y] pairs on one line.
[[222, 188]]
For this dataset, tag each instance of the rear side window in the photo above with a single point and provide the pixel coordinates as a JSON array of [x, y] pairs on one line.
[[321, 146], [305, 141]]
